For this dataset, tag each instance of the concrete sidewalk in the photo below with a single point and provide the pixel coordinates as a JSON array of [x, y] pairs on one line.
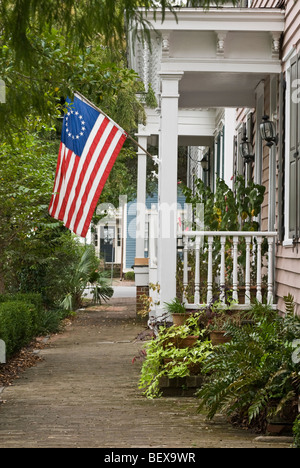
[[121, 289], [84, 394]]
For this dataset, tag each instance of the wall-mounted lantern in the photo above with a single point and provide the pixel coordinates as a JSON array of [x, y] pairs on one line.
[[246, 150], [205, 162], [268, 132]]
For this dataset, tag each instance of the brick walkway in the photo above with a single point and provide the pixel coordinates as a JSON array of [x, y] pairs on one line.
[[84, 394]]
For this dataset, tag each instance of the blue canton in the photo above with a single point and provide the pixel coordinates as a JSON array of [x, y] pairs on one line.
[[78, 124]]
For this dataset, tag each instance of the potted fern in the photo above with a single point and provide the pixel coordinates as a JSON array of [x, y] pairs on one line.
[[178, 312]]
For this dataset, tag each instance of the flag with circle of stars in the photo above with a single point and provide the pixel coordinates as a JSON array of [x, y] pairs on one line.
[[90, 144], [78, 123]]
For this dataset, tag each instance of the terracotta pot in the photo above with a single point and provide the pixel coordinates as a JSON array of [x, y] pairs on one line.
[[188, 342], [218, 337], [282, 424], [180, 319], [182, 343]]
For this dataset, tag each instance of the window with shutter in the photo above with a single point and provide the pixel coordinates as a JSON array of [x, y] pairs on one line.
[[294, 151]]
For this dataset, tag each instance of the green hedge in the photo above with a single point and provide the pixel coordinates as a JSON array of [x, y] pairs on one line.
[[19, 323], [32, 298], [28, 298]]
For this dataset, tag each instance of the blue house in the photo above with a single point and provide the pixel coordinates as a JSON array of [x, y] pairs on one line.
[[131, 226]]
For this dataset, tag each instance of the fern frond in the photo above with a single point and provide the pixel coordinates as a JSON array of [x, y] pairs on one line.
[[289, 304], [259, 403]]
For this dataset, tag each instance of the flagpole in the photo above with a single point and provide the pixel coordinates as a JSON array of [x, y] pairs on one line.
[[143, 149], [103, 113]]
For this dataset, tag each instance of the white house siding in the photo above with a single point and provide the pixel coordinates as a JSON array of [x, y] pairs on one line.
[[288, 257]]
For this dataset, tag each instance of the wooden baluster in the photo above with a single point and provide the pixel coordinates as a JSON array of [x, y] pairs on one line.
[[185, 268], [197, 271], [270, 271], [253, 255], [210, 270], [247, 276], [235, 268], [258, 278], [222, 272]]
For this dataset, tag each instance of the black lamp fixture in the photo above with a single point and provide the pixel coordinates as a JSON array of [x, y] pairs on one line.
[[205, 162], [268, 132], [246, 150]]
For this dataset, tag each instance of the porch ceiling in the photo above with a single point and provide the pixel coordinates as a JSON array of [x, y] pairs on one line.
[[207, 89]]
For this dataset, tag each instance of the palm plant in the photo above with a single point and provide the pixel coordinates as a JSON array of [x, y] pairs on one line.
[[102, 291], [86, 272]]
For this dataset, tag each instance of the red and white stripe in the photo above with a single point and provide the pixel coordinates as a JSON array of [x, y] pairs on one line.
[[80, 180]]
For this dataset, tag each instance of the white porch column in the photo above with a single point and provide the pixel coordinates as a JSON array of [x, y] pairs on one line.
[[141, 197], [141, 264], [167, 236]]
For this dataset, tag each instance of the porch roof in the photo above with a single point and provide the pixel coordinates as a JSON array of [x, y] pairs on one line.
[[223, 53], [225, 18]]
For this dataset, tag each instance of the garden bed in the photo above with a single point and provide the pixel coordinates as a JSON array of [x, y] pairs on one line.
[[180, 386]]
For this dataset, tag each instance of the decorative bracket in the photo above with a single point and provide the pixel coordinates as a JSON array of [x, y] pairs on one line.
[[275, 44], [221, 39], [166, 45]]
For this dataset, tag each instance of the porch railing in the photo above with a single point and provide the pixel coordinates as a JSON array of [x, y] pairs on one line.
[[231, 260]]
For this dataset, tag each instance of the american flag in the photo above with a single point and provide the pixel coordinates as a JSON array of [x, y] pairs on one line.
[[89, 147]]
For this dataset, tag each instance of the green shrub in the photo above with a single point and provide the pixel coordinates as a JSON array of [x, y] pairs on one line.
[[17, 324], [29, 298], [33, 298], [129, 276]]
